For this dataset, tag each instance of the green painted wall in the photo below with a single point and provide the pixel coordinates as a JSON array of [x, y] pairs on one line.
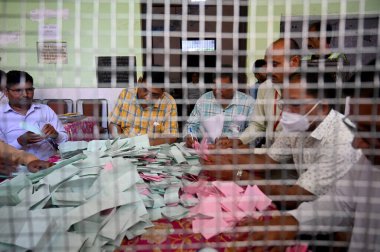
[[265, 17], [104, 28], [93, 28]]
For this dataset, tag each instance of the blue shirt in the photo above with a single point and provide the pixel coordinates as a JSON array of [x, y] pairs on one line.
[[236, 115], [38, 115]]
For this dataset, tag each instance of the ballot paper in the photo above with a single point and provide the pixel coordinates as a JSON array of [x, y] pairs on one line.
[[177, 154], [35, 177], [10, 189], [32, 128], [213, 126]]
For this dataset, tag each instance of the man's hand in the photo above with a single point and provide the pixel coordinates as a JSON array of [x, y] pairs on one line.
[[29, 138], [37, 165], [265, 233], [6, 168], [190, 141], [49, 131], [225, 143]]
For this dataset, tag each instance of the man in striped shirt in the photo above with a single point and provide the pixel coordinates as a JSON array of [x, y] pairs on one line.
[[235, 108], [146, 109]]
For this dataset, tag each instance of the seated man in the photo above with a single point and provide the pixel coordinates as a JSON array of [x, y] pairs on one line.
[[146, 109], [20, 116], [282, 59], [314, 139], [10, 158], [352, 204], [235, 106]]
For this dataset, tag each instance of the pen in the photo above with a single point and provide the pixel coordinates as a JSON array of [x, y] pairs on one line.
[[191, 133]]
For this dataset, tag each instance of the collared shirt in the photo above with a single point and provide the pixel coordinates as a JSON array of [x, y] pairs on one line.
[[161, 118], [38, 115], [353, 203], [236, 114], [265, 116], [320, 157], [14, 155], [3, 98]]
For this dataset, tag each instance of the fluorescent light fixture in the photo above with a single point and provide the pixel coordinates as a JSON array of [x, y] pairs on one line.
[[198, 45]]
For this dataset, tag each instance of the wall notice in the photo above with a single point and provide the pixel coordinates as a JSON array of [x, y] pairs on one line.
[[52, 52], [49, 32]]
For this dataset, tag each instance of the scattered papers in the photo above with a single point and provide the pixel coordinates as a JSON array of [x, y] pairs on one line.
[[222, 204], [115, 189]]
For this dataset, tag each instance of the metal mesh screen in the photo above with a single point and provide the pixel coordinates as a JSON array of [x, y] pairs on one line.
[[189, 125]]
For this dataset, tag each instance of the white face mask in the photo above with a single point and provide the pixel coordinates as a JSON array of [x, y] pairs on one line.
[[293, 122]]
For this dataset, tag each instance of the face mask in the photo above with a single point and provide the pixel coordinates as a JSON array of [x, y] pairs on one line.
[[293, 122]]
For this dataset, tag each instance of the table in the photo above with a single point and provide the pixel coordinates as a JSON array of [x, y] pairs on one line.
[[83, 129]]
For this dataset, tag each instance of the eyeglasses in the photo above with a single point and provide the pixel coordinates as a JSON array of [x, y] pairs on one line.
[[21, 90]]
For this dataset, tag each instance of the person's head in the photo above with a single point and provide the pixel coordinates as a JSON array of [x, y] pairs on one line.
[[3, 79], [260, 70], [223, 88], [308, 96], [195, 77], [282, 58], [150, 92], [19, 89], [365, 113], [316, 40]]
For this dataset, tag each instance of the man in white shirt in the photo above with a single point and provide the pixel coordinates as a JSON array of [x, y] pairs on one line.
[[21, 120], [353, 203], [314, 139], [282, 59]]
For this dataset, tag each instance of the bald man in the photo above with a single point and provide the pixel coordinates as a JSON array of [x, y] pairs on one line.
[[282, 59]]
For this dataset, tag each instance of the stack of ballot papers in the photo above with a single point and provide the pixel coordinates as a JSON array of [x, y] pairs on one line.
[[109, 190]]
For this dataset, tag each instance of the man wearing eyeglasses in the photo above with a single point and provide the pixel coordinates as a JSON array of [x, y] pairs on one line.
[[147, 109], [34, 128]]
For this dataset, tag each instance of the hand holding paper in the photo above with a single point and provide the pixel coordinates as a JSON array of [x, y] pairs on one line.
[[214, 126], [49, 131]]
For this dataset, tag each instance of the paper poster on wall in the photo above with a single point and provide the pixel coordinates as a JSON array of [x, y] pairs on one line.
[[52, 52], [49, 32], [8, 38], [41, 14]]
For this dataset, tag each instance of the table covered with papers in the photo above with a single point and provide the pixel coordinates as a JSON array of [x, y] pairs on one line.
[[107, 195]]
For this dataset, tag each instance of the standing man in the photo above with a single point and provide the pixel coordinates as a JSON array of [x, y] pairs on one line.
[[34, 128], [146, 109], [282, 59], [235, 106], [259, 69]]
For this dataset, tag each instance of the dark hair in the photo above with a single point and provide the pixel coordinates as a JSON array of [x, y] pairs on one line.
[[328, 89], [367, 88], [317, 26], [15, 77], [223, 74], [260, 63], [157, 77]]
